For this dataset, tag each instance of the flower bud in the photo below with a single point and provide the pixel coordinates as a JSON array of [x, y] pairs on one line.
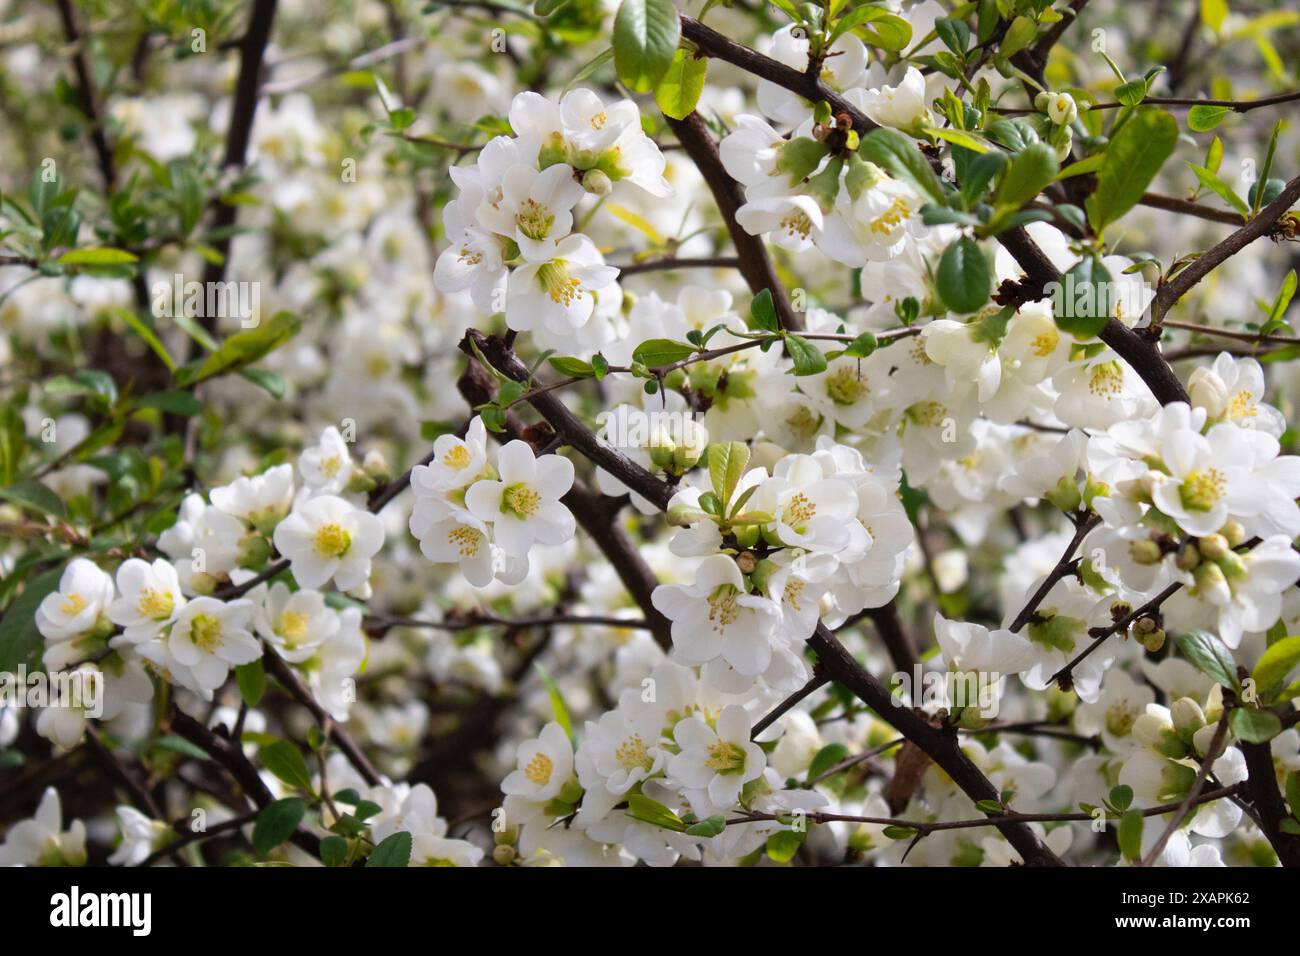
[[1152, 640], [1208, 391], [1061, 109], [1213, 546], [504, 855], [1188, 558], [376, 466], [1188, 717], [1211, 584], [1065, 495], [1145, 552], [1234, 533], [597, 183]]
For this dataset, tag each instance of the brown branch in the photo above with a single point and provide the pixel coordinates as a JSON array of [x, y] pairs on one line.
[[90, 104], [672, 262], [1261, 789], [755, 263], [1216, 744], [1064, 567], [818, 680], [1169, 293], [1188, 208]]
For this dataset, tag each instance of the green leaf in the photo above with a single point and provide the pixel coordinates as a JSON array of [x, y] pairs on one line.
[[571, 366], [150, 337], [708, 827], [97, 257], [544, 8], [762, 312], [899, 833], [991, 807], [887, 31], [1130, 834], [964, 278], [284, 759], [333, 850], [1131, 161], [558, 708], [21, 643], [645, 38], [1213, 13], [641, 807], [862, 346], [727, 461], [175, 401], [1255, 726], [1031, 171], [960, 137], [1015, 134], [264, 378], [1121, 797], [242, 348], [35, 497], [276, 823], [807, 357], [251, 679], [1208, 655], [898, 155], [656, 353], [1082, 304], [783, 845], [1089, 165], [180, 745], [955, 34], [681, 86], [393, 850], [1131, 93], [90, 381], [826, 758], [1202, 118], [1019, 35], [1274, 665], [1221, 189]]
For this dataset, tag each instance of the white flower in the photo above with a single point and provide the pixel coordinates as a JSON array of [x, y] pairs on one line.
[[327, 467], [455, 463], [903, 106], [793, 221], [472, 260], [1034, 346], [876, 224], [260, 500], [812, 512], [558, 295], [70, 618], [151, 598], [327, 537], [331, 669], [720, 761], [294, 623], [42, 841], [211, 636], [716, 622], [524, 504], [535, 209], [1232, 390], [544, 765], [141, 836], [623, 746], [1208, 479]]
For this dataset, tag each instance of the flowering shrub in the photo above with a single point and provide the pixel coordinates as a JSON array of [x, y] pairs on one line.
[[469, 433]]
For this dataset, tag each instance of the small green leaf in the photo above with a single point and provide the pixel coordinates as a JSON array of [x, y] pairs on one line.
[[284, 760], [641, 807], [898, 155], [1082, 301], [826, 758], [558, 708], [1208, 655], [1121, 797], [645, 39], [174, 401], [571, 366], [1202, 118], [807, 357], [800, 157], [333, 850], [393, 851], [656, 353], [762, 312], [276, 823], [21, 643], [708, 827], [964, 278], [783, 845], [1130, 834], [682, 84], [1032, 170], [862, 346], [1255, 726], [251, 679], [97, 257], [35, 497], [1274, 665], [727, 461], [1221, 189]]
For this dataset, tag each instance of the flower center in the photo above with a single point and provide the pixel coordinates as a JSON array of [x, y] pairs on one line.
[[73, 605], [538, 771], [330, 466], [520, 500], [845, 386], [726, 757], [534, 219], [1045, 343], [889, 220], [332, 541], [631, 754], [929, 414], [722, 607], [293, 626], [803, 422], [466, 540], [470, 257], [1107, 380], [799, 510], [1243, 405], [205, 632], [794, 592], [797, 223], [457, 457], [556, 282], [155, 603], [1120, 719], [1202, 489]]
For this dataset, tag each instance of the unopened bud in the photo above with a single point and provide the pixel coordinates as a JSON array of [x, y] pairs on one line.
[[1145, 552], [1211, 584], [1234, 533], [746, 562], [1213, 546], [1061, 108], [504, 855], [376, 466], [1188, 558], [1152, 640], [597, 183], [1187, 716]]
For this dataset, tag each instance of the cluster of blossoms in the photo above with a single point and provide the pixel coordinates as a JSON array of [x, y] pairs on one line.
[[513, 241], [167, 618], [486, 512]]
